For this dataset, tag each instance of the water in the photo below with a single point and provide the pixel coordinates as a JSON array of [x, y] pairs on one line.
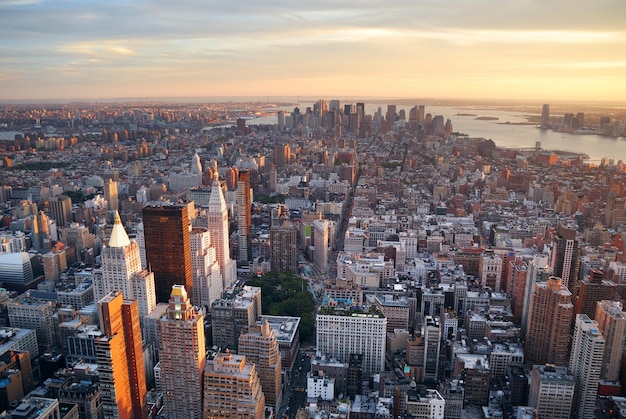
[[505, 135]]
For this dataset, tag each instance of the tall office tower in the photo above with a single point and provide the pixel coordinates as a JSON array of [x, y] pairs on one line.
[[218, 226], [321, 237], [360, 110], [207, 279], [354, 122], [551, 391], [545, 116], [334, 105], [432, 344], [182, 357], [110, 194], [392, 115], [549, 320], [281, 121], [421, 114], [341, 333], [168, 253], [413, 124], [232, 388], [260, 347], [121, 271], [592, 290], [564, 262], [60, 209], [585, 364], [538, 271], [611, 320], [244, 215], [284, 248], [120, 358]]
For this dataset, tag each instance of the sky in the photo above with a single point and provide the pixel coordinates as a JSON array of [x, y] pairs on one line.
[[534, 50]]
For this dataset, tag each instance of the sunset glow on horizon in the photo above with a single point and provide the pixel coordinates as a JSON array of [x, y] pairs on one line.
[[517, 50]]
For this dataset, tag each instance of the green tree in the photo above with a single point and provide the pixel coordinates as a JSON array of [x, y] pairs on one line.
[[284, 294]]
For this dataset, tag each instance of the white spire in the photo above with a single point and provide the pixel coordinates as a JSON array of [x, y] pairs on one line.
[[217, 203], [119, 238]]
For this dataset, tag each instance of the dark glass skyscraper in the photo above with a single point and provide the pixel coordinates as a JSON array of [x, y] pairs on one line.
[[168, 250]]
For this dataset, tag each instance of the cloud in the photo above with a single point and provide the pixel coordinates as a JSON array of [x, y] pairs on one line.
[[118, 41]]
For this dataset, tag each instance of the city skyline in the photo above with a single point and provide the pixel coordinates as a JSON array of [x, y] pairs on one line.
[[104, 50]]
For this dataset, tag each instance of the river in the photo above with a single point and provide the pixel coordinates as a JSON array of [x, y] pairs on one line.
[[505, 135]]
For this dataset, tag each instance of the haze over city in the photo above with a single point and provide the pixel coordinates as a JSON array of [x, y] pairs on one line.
[[516, 50]]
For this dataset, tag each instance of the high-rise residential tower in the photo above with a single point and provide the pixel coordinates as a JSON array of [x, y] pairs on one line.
[[244, 215], [218, 226], [585, 364], [590, 291], [549, 320], [168, 252], [121, 271], [538, 271], [611, 320], [120, 358], [260, 347], [182, 357]]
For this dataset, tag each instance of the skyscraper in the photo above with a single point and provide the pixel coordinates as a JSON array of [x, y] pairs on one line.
[[592, 290], [218, 226], [207, 279], [545, 116], [321, 239], [585, 364], [110, 194], [538, 271], [60, 210], [611, 320], [244, 215], [260, 347], [120, 358], [432, 340], [121, 271], [232, 315], [182, 357], [284, 247], [564, 262], [549, 320], [168, 251], [232, 388]]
